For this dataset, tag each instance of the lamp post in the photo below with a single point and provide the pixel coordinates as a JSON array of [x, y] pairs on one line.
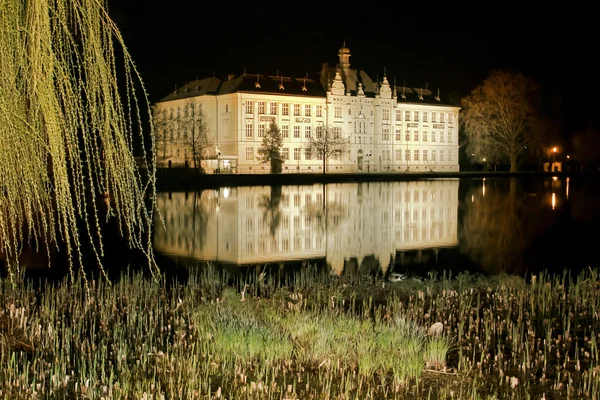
[[218, 171], [554, 150]]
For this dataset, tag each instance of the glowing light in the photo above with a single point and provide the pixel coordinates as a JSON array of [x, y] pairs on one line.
[[472, 198], [483, 188], [554, 149], [568, 187], [553, 201], [555, 178], [225, 192]]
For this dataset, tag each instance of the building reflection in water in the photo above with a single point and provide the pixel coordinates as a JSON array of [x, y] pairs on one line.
[[340, 223]]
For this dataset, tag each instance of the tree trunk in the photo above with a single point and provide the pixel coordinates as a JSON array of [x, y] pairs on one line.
[[513, 163], [324, 164]]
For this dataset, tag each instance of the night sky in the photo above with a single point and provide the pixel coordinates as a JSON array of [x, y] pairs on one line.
[[445, 47]]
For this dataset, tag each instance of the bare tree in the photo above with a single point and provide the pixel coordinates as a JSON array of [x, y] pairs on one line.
[[502, 117], [327, 143], [195, 139], [586, 148], [270, 149], [161, 135]]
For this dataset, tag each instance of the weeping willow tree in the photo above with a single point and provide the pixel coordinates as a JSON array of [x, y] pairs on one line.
[[70, 119]]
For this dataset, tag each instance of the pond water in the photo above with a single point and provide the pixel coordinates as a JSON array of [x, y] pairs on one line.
[[491, 225]]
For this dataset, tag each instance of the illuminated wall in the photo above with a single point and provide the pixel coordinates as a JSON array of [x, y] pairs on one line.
[[250, 225], [390, 128]]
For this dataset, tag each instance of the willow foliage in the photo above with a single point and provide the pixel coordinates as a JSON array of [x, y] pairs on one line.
[[69, 116]]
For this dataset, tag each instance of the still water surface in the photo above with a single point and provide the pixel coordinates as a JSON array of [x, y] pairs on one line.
[[514, 225]]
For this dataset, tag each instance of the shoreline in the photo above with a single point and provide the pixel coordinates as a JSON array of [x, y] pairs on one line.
[[181, 179]]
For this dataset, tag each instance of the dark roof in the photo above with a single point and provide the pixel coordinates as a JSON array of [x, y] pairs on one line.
[[250, 83], [283, 85], [420, 96]]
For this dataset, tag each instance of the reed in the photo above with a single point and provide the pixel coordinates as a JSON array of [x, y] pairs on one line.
[[217, 337]]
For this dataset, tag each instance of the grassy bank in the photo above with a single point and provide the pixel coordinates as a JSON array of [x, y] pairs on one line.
[[309, 336]]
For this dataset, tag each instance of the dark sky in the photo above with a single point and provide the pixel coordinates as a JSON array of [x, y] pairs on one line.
[[450, 47]]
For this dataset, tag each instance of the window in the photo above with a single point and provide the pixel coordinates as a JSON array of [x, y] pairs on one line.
[[416, 136], [406, 155], [307, 131], [450, 118], [450, 136], [320, 130], [450, 155], [337, 132], [441, 136], [433, 155], [261, 130], [416, 155], [285, 153], [398, 134], [407, 115], [385, 134], [261, 107], [442, 117], [296, 153], [249, 153], [398, 115], [296, 131], [424, 155], [407, 136], [433, 117], [249, 107], [386, 114], [226, 108], [285, 109], [338, 112], [398, 154], [424, 136], [416, 114], [307, 110], [319, 111], [285, 131], [433, 136], [273, 108], [249, 129], [296, 109], [307, 153], [425, 115], [442, 155]]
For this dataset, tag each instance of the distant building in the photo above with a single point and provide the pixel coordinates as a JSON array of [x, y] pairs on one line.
[[390, 128]]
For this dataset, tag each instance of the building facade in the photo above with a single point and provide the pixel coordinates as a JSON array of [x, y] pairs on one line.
[[389, 128]]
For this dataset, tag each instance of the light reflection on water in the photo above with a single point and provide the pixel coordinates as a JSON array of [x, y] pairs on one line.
[[493, 225]]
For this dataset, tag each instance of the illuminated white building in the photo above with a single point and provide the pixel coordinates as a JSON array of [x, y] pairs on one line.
[[253, 225], [390, 128]]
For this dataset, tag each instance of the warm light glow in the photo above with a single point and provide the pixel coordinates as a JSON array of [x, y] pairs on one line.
[[555, 178], [483, 188], [568, 186], [554, 149], [483, 159], [226, 192], [553, 201], [568, 156], [472, 198]]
